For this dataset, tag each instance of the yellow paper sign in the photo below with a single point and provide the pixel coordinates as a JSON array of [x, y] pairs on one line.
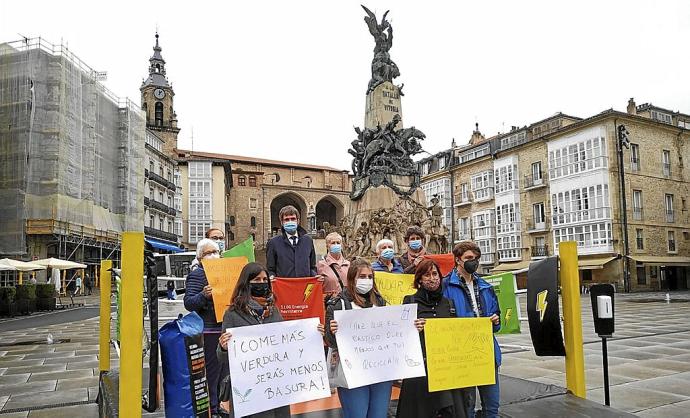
[[222, 274], [394, 287], [459, 353]]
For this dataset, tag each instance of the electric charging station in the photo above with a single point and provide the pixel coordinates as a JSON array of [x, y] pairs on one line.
[[603, 311]]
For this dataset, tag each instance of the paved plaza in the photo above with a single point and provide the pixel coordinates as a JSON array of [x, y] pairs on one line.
[[649, 360]]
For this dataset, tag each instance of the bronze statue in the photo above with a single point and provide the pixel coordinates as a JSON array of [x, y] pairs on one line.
[[382, 67]]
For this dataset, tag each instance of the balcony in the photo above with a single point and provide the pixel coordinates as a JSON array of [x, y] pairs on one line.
[[634, 164], [483, 195], [670, 216], [487, 259], [533, 182], [464, 236], [586, 215], [157, 233], [534, 226], [160, 180], [464, 199], [508, 227], [539, 251], [637, 214], [667, 169], [484, 231]]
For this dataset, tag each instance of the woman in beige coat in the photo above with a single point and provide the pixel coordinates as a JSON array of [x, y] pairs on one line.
[[333, 267]]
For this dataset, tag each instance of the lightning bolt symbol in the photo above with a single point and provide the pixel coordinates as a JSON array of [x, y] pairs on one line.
[[307, 291], [541, 304], [509, 314]]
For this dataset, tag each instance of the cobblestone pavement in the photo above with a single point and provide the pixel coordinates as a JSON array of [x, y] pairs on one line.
[[649, 360]]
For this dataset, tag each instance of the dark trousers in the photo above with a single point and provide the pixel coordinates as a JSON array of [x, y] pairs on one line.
[[212, 366]]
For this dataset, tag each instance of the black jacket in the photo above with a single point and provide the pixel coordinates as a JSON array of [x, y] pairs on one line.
[[285, 260]]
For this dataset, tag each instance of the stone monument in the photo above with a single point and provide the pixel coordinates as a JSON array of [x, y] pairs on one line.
[[386, 198]]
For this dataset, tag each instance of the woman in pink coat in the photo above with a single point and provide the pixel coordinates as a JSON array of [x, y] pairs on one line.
[[333, 267]]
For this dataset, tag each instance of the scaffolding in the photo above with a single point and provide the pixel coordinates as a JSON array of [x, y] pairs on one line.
[[71, 152]]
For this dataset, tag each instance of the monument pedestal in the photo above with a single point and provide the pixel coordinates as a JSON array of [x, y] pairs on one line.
[[382, 104]]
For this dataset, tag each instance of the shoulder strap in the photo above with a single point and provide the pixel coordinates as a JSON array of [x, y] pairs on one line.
[[342, 286]]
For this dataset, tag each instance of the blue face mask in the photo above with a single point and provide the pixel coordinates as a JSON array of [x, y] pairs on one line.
[[415, 244], [290, 227], [336, 249], [388, 253]]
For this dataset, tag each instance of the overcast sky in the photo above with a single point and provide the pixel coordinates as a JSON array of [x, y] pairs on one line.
[[286, 80]]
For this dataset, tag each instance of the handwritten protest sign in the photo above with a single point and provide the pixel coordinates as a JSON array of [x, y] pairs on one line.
[[379, 344], [276, 364], [446, 262], [504, 286], [394, 287], [459, 353], [299, 298], [222, 274]]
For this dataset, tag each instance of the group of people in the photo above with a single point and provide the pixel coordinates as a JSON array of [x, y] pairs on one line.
[[348, 284]]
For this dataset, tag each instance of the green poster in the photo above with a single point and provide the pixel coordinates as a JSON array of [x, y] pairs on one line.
[[504, 285], [243, 249]]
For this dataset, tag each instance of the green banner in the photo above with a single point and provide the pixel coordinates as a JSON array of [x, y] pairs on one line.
[[504, 285], [243, 249]]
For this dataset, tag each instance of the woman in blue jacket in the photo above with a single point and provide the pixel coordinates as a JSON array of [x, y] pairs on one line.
[[474, 297]]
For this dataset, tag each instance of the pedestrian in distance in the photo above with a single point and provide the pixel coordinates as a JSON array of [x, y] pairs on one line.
[[415, 241], [386, 261], [88, 284]]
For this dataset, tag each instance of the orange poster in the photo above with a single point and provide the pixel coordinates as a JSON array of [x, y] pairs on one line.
[[222, 274], [446, 262], [299, 298]]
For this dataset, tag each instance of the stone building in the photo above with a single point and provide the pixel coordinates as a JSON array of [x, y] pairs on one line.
[[521, 193], [243, 195]]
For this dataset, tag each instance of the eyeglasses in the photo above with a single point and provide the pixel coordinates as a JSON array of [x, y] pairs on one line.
[[205, 253], [217, 238]]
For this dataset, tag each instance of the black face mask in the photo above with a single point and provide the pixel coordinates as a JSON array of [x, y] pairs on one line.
[[260, 290], [471, 266]]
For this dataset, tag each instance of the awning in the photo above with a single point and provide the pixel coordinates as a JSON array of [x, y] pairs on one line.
[[504, 267], [161, 245], [662, 260], [56, 263], [593, 263]]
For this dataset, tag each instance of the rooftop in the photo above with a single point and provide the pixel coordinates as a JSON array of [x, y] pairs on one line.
[[186, 155]]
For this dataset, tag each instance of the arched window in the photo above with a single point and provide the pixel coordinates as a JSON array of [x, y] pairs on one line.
[[232, 221], [307, 181], [158, 68], [159, 114], [253, 221], [252, 181], [241, 181]]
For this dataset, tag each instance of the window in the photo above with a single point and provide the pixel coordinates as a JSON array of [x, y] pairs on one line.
[[178, 227], [197, 231], [662, 117], [199, 189], [669, 207], [683, 206], [252, 203], [425, 168], [152, 195], [231, 235], [252, 181], [160, 170], [634, 157], [464, 193], [232, 221], [508, 218], [307, 181], [579, 205], [170, 227], [509, 247], [641, 277], [159, 114], [637, 205], [160, 197], [513, 140], [483, 224], [482, 186], [506, 178], [666, 162], [241, 181], [170, 201], [441, 162], [653, 272], [253, 222], [160, 224], [578, 158], [593, 236], [474, 153], [152, 221], [538, 216], [200, 210], [671, 241], [151, 167], [464, 229], [539, 249], [536, 173], [640, 239]]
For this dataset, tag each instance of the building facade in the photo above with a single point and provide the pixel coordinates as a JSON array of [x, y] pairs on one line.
[[243, 195], [520, 194]]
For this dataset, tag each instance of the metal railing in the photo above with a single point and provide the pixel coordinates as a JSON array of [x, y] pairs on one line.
[[533, 225], [670, 216], [634, 164], [157, 233], [638, 213], [667, 169], [532, 181], [540, 251]]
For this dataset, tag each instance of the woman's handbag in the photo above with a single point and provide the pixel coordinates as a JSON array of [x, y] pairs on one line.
[[336, 375]]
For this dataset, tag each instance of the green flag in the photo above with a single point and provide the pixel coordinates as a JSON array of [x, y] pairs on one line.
[[244, 248], [504, 285]]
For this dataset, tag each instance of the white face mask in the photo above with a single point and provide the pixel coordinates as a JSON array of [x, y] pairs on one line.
[[212, 256], [363, 286]]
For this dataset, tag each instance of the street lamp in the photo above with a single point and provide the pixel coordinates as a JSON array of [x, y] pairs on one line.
[[623, 142]]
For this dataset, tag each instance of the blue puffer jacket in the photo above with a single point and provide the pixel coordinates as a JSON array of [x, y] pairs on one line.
[[463, 304], [195, 301]]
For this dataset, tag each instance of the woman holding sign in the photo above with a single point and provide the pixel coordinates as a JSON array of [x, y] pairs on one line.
[[252, 304], [360, 292], [415, 399]]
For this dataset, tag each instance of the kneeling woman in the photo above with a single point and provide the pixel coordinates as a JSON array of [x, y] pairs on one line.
[[415, 399], [252, 303], [360, 292]]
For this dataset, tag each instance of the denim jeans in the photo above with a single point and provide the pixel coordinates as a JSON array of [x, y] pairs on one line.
[[490, 396], [367, 401]]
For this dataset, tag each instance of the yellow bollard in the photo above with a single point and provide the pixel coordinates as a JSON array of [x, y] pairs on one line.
[[63, 290], [21, 276], [572, 319], [131, 324], [104, 328]]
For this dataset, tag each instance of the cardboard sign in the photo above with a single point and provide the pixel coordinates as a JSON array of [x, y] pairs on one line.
[[504, 286], [446, 262], [222, 274], [299, 298], [393, 286], [276, 364], [379, 344], [459, 353]]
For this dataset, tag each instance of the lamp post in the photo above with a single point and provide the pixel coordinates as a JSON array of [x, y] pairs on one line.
[[623, 142]]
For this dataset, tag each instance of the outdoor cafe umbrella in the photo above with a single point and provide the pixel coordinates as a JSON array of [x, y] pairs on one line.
[[20, 266], [56, 263]]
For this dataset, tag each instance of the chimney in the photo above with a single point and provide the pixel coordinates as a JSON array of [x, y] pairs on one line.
[[632, 108]]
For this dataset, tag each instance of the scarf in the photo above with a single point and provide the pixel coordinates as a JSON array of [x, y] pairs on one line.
[[260, 308], [431, 296]]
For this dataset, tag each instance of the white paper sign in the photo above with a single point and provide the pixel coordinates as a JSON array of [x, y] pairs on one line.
[[379, 344], [276, 364]]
